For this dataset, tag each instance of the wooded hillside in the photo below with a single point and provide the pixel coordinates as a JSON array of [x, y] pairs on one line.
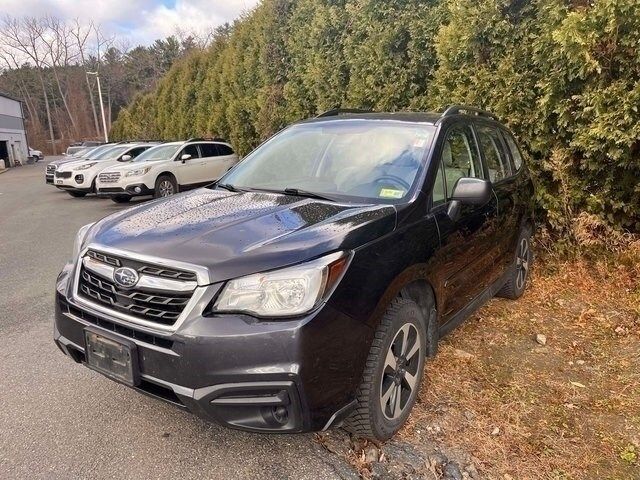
[[564, 75]]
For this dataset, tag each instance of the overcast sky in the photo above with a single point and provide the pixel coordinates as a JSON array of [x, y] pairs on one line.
[[141, 21]]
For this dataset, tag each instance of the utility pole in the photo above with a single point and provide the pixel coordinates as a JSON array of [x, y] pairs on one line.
[[104, 121]]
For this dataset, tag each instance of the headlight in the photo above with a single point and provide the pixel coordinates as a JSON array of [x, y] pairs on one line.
[[81, 236], [85, 166], [137, 172], [286, 292]]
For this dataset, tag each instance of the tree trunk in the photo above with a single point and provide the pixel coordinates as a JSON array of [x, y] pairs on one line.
[[93, 105], [46, 104], [64, 101]]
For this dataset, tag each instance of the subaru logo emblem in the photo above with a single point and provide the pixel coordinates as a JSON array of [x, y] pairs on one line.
[[125, 277]]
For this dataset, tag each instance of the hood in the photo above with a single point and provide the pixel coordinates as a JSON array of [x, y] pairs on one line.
[[65, 160], [235, 234]]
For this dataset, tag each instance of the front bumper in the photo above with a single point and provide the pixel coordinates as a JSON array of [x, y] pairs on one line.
[[276, 376], [79, 181], [133, 190]]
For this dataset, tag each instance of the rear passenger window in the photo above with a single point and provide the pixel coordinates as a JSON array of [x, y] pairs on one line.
[[209, 150], [224, 149], [513, 148], [460, 157], [494, 153]]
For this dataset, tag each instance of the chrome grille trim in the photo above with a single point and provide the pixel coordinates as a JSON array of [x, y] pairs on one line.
[[202, 286], [109, 177], [145, 281]]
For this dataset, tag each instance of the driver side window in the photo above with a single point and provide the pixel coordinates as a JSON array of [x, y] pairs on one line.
[[460, 158], [191, 149]]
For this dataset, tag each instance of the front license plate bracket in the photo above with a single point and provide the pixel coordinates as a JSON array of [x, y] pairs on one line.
[[112, 356]]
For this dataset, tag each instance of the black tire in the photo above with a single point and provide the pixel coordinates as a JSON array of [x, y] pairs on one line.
[[380, 380], [76, 194], [162, 186], [521, 268], [121, 198]]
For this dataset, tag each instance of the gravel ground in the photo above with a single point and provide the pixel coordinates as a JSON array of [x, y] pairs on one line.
[[58, 419]]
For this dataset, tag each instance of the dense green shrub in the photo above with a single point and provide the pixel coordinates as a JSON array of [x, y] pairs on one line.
[[564, 75]]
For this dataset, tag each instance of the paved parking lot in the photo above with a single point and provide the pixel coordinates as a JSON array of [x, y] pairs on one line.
[[61, 420]]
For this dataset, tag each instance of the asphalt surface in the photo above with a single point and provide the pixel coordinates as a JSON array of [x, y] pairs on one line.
[[62, 420]]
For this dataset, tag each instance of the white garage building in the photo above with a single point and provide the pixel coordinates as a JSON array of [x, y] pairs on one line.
[[13, 138]]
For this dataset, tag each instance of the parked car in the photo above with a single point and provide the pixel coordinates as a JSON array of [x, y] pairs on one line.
[[167, 169], [35, 155], [85, 152], [74, 147], [78, 178], [306, 288]]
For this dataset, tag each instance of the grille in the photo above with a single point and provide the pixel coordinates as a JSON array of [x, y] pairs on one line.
[[51, 168], [159, 306], [109, 177], [66, 307], [164, 309], [63, 174]]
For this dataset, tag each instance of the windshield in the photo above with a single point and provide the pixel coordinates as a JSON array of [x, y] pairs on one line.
[[376, 160], [161, 152], [110, 153], [83, 152]]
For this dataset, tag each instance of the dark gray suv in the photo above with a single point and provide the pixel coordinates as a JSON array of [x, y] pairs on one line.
[[306, 287]]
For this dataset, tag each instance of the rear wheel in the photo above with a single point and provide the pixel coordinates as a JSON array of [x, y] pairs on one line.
[[76, 194], [165, 187], [393, 373], [519, 275], [121, 198]]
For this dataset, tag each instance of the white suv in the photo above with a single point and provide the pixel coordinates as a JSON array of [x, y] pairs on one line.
[[78, 178], [167, 169]]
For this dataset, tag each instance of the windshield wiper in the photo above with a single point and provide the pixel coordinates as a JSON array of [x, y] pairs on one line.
[[228, 186], [304, 193]]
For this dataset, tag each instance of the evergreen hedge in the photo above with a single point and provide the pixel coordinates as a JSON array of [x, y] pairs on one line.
[[563, 75]]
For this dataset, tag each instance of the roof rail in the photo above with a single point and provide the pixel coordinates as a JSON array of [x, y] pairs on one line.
[[457, 109], [211, 139], [341, 111]]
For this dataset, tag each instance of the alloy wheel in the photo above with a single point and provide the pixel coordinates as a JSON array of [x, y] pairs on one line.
[[400, 373], [165, 188], [522, 264]]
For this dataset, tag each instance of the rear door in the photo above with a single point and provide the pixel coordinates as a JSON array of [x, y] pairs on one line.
[[213, 165], [465, 256], [227, 155], [188, 171], [501, 173]]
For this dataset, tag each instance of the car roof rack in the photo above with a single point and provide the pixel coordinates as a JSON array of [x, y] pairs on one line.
[[341, 111], [458, 109], [210, 139]]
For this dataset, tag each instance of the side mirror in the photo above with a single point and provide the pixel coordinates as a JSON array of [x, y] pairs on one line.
[[468, 191], [126, 158], [185, 157]]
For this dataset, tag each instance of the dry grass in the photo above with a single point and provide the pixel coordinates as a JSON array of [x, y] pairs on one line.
[[570, 409]]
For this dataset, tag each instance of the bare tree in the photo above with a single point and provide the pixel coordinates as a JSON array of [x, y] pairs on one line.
[[56, 37], [81, 36], [25, 37]]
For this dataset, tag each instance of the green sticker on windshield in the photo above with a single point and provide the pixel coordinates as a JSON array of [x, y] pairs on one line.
[[391, 193]]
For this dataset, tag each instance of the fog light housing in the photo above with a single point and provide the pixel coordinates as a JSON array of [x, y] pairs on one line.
[[137, 190], [79, 178]]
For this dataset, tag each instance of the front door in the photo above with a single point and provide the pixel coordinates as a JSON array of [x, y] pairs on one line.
[[189, 171], [466, 253]]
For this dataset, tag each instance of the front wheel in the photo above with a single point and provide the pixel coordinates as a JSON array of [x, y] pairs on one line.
[[393, 373], [165, 187]]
